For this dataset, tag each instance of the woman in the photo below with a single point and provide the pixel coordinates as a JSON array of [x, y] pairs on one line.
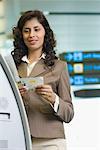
[[50, 104]]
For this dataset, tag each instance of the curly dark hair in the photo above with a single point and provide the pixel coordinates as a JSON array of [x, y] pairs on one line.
[[20, 49]]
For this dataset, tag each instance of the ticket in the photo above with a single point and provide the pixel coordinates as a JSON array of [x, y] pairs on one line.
[[32, 82]]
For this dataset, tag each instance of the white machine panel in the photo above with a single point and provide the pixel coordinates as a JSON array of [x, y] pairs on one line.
[[14, 130]]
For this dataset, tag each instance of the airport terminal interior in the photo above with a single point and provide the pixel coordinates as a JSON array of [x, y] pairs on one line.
[[76, 25]]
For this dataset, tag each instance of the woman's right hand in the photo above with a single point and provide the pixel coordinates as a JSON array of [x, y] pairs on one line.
[[23, 91], [22, 88]]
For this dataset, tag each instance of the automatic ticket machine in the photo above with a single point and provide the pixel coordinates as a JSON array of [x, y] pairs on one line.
[[14, 129]]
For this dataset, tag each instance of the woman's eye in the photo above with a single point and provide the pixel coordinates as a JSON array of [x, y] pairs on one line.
[[26, 31], [37, 29]]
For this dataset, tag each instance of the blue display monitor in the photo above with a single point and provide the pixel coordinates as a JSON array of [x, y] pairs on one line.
[[83, 66]]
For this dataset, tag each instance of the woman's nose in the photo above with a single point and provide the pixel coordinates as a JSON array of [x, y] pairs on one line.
[[32, 33]]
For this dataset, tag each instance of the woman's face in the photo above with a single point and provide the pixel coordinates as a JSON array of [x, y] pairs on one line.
[[33, 34]]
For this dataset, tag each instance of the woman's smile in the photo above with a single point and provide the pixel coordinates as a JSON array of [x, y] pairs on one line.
[[32, 41]]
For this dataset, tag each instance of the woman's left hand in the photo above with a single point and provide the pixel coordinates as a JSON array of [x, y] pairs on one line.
[[46, 92]]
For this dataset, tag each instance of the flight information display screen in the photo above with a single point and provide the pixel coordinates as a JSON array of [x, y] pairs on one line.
[[83, 66]]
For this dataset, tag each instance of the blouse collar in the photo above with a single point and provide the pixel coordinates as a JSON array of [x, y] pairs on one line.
[[25, 59]]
